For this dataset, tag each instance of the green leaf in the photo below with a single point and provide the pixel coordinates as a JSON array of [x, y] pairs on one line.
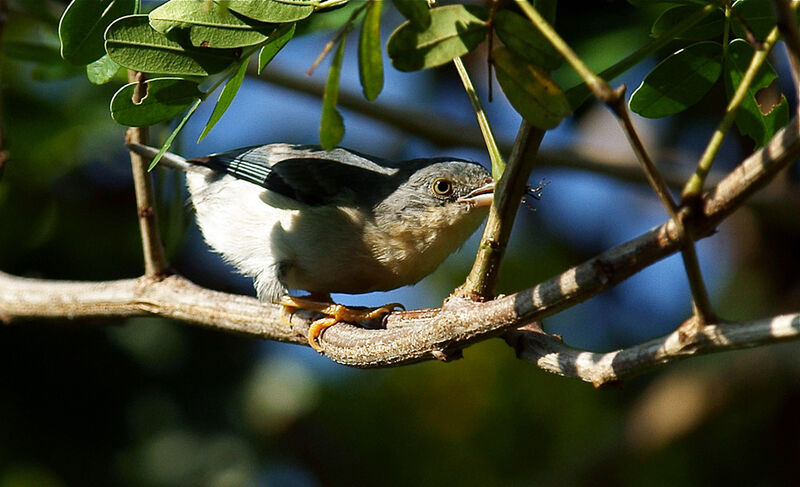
[[530, 90], [679, 81], [370, 59], [226, 96], [525, 40], [277, 39], [758, 14], [131, 42], [171, 138], [164, 99], [275, 11], [764, 109], [83, 24], [454, 31], [102, 71], [331, 128], [208, 24], [710, 27], [416, 11]]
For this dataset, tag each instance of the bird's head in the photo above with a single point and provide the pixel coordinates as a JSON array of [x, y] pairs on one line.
[[438, 201]]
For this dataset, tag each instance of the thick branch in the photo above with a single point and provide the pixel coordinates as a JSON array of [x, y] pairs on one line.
[[172, 297], [411, 336]]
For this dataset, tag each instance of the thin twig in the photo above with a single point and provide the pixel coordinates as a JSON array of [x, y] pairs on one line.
[[481, 280], [329, 45], [749, 36], [694, 186], [155, 261]]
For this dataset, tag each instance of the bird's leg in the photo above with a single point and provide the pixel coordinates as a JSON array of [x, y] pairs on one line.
[[321, 303]]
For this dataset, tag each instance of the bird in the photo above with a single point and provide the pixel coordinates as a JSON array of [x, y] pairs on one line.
[[300, 218]]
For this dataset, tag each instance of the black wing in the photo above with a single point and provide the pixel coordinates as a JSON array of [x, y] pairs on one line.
[[305, 173]]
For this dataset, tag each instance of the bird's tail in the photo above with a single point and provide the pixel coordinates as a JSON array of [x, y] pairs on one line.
[[169, 159]]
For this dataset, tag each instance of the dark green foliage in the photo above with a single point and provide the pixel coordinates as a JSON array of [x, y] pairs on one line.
[[679, 81]]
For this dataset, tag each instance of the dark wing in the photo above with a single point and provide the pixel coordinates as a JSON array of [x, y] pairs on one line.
[[305, 173]]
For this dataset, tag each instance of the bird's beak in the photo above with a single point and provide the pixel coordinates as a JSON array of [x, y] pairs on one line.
[[481, 197]]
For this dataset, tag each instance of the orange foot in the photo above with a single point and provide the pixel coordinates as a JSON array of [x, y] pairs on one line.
[[335, 313]]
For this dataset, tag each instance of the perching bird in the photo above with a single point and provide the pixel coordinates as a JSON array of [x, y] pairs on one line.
[[297, 217]]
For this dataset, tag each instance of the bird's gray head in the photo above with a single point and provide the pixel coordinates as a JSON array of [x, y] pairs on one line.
[[438, 195]]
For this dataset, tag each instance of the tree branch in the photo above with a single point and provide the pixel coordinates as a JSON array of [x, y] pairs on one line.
[[550, 354], [155, 261], [409, 336], [481, 280]]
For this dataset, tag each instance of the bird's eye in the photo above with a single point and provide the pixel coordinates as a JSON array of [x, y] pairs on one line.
[[443, 187]]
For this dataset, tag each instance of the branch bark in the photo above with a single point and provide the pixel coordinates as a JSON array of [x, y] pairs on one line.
[[550, 354], [425, 334], [155, 260]]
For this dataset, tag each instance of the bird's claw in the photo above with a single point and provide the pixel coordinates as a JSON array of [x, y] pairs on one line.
[[335, 313]]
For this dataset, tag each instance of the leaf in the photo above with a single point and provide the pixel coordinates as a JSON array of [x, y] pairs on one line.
[[530, 90], [525, 40], [416, 11], [370, 59], [710, 27], [764, 109], [226, 96], [275, 11], [131, 42], [102, 71], [758, 14], [679, 81], [164, 99], [454, 31], [83, 24], [171, 138], [277, 39], [331, 130], [208, 24]]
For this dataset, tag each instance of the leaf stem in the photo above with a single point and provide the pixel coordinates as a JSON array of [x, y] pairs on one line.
[[498, 164]]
